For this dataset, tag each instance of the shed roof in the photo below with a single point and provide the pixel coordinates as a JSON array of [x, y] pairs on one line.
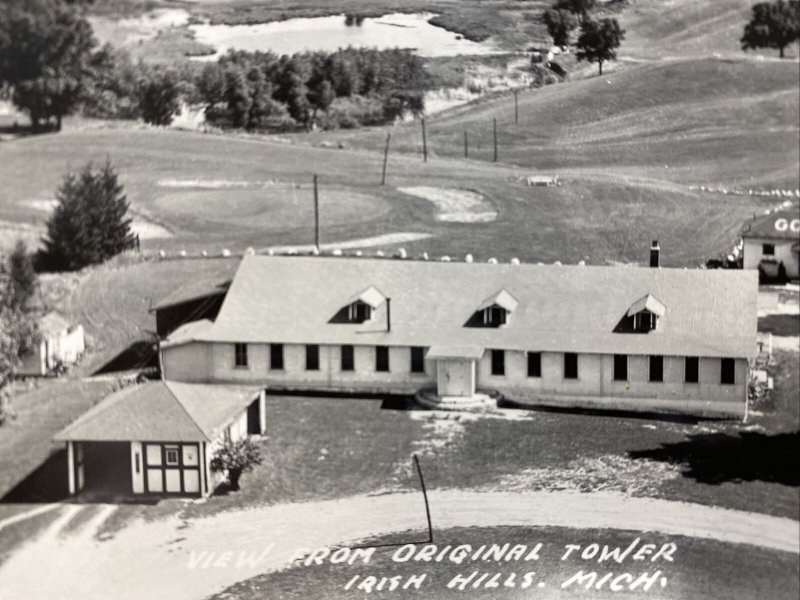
[[195, 290], [53, 323], [161, 411], [561, 308], [474, 352], [781, 224]]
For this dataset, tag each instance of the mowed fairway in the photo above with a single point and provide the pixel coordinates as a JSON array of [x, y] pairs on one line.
[[214, 191]]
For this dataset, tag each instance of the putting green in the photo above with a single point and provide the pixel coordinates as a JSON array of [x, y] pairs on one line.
[[278, 207]]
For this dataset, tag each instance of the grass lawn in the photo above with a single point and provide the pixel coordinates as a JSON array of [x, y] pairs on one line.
[[701, 569]]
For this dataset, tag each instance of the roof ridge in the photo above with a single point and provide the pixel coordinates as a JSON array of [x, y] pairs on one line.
[[168, 384]]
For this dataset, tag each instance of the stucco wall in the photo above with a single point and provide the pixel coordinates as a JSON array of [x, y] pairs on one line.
[[783, 252], [188, 363]]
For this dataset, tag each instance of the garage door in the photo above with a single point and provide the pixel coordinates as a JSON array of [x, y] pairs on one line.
[[172, 468]]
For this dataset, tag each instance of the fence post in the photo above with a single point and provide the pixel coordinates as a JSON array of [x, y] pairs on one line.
[[386, 157], [494, 129], [424, 142]]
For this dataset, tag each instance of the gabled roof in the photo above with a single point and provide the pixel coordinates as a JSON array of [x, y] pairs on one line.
[[161, 411], [53, 323], [561, 309], [502, 299], [649, 303], [371, 296], [781, 224]]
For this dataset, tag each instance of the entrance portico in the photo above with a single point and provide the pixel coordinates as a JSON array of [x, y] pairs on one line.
[[455, 378]]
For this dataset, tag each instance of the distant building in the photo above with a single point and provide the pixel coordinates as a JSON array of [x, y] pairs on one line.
[[772, 240], [59, 342]]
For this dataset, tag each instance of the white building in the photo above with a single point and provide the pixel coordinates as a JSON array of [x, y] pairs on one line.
[[59, 342], [773, 240]]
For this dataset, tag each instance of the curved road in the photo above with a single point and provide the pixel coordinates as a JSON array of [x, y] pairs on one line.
[[180, 559]]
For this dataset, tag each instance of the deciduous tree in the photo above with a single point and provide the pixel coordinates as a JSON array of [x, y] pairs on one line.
[[236, 458], [159, 98], [773, 25], [22, 275], [560, 24], [599, 40]]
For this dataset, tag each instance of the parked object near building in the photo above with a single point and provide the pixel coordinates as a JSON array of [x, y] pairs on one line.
[[158, 438], [60, 343], [628, 338], [773, 240], [542, 180]]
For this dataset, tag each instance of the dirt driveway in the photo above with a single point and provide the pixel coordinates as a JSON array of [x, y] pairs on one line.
[[179, 559]]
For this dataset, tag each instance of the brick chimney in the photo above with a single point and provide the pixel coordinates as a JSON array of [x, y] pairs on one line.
[[655, 255]]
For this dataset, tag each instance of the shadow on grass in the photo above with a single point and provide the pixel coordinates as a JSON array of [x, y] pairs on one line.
[[715, 458], [388, 401], [786, 325], [139, 355]]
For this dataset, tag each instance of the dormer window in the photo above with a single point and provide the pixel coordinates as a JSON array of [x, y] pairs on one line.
[[362, 308], [496, 310], [645, 313]]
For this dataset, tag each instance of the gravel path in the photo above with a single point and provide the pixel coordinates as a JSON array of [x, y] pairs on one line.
[[186, 559]]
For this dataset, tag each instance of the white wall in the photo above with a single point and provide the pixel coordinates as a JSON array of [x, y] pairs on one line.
[[783, 252], [188, 362]]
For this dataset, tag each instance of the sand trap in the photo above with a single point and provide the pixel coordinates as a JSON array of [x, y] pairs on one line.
[[387, 239], [214, 184], [149, 231], [455, 205]]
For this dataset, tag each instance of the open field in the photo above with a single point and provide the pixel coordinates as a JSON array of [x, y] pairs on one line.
[[700, 121], [610, 217], [701, 570]]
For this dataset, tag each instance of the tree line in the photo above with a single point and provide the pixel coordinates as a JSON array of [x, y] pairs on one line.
[[51, 66]]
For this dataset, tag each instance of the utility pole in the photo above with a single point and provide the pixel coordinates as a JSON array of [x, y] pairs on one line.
[[386, 157], [424, 142], [494, 128], [316, 214], [466, 145], [516, 108]]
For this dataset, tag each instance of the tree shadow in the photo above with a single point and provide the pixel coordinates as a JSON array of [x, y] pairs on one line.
[[715, 458], [139, 355]]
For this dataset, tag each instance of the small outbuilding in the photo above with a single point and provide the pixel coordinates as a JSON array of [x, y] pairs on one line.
[[158, 438], [771, 243], [60, 342]]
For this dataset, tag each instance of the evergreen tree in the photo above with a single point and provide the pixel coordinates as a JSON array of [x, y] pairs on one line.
[[773, 25], [90, 223], [599, 41]]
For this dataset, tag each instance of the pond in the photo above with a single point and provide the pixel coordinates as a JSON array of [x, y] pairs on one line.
[[396, 30]]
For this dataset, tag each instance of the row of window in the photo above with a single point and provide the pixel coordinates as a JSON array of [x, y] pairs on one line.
[[498, 363], [691, 372], [347, 358]]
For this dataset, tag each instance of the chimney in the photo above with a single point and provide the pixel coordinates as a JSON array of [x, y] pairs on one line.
[[388, 314], [655, 255]]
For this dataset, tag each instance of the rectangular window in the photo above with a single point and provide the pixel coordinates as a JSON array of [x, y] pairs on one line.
[[727, 375], [534, 364], [498, 362], [656, 369], [312, 357], [171, 456], [620, 367], [276, 357], [240, 351], [417, 359], [382, 358], [691, 369], [570, 365], [347, 358], [768, 249]]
